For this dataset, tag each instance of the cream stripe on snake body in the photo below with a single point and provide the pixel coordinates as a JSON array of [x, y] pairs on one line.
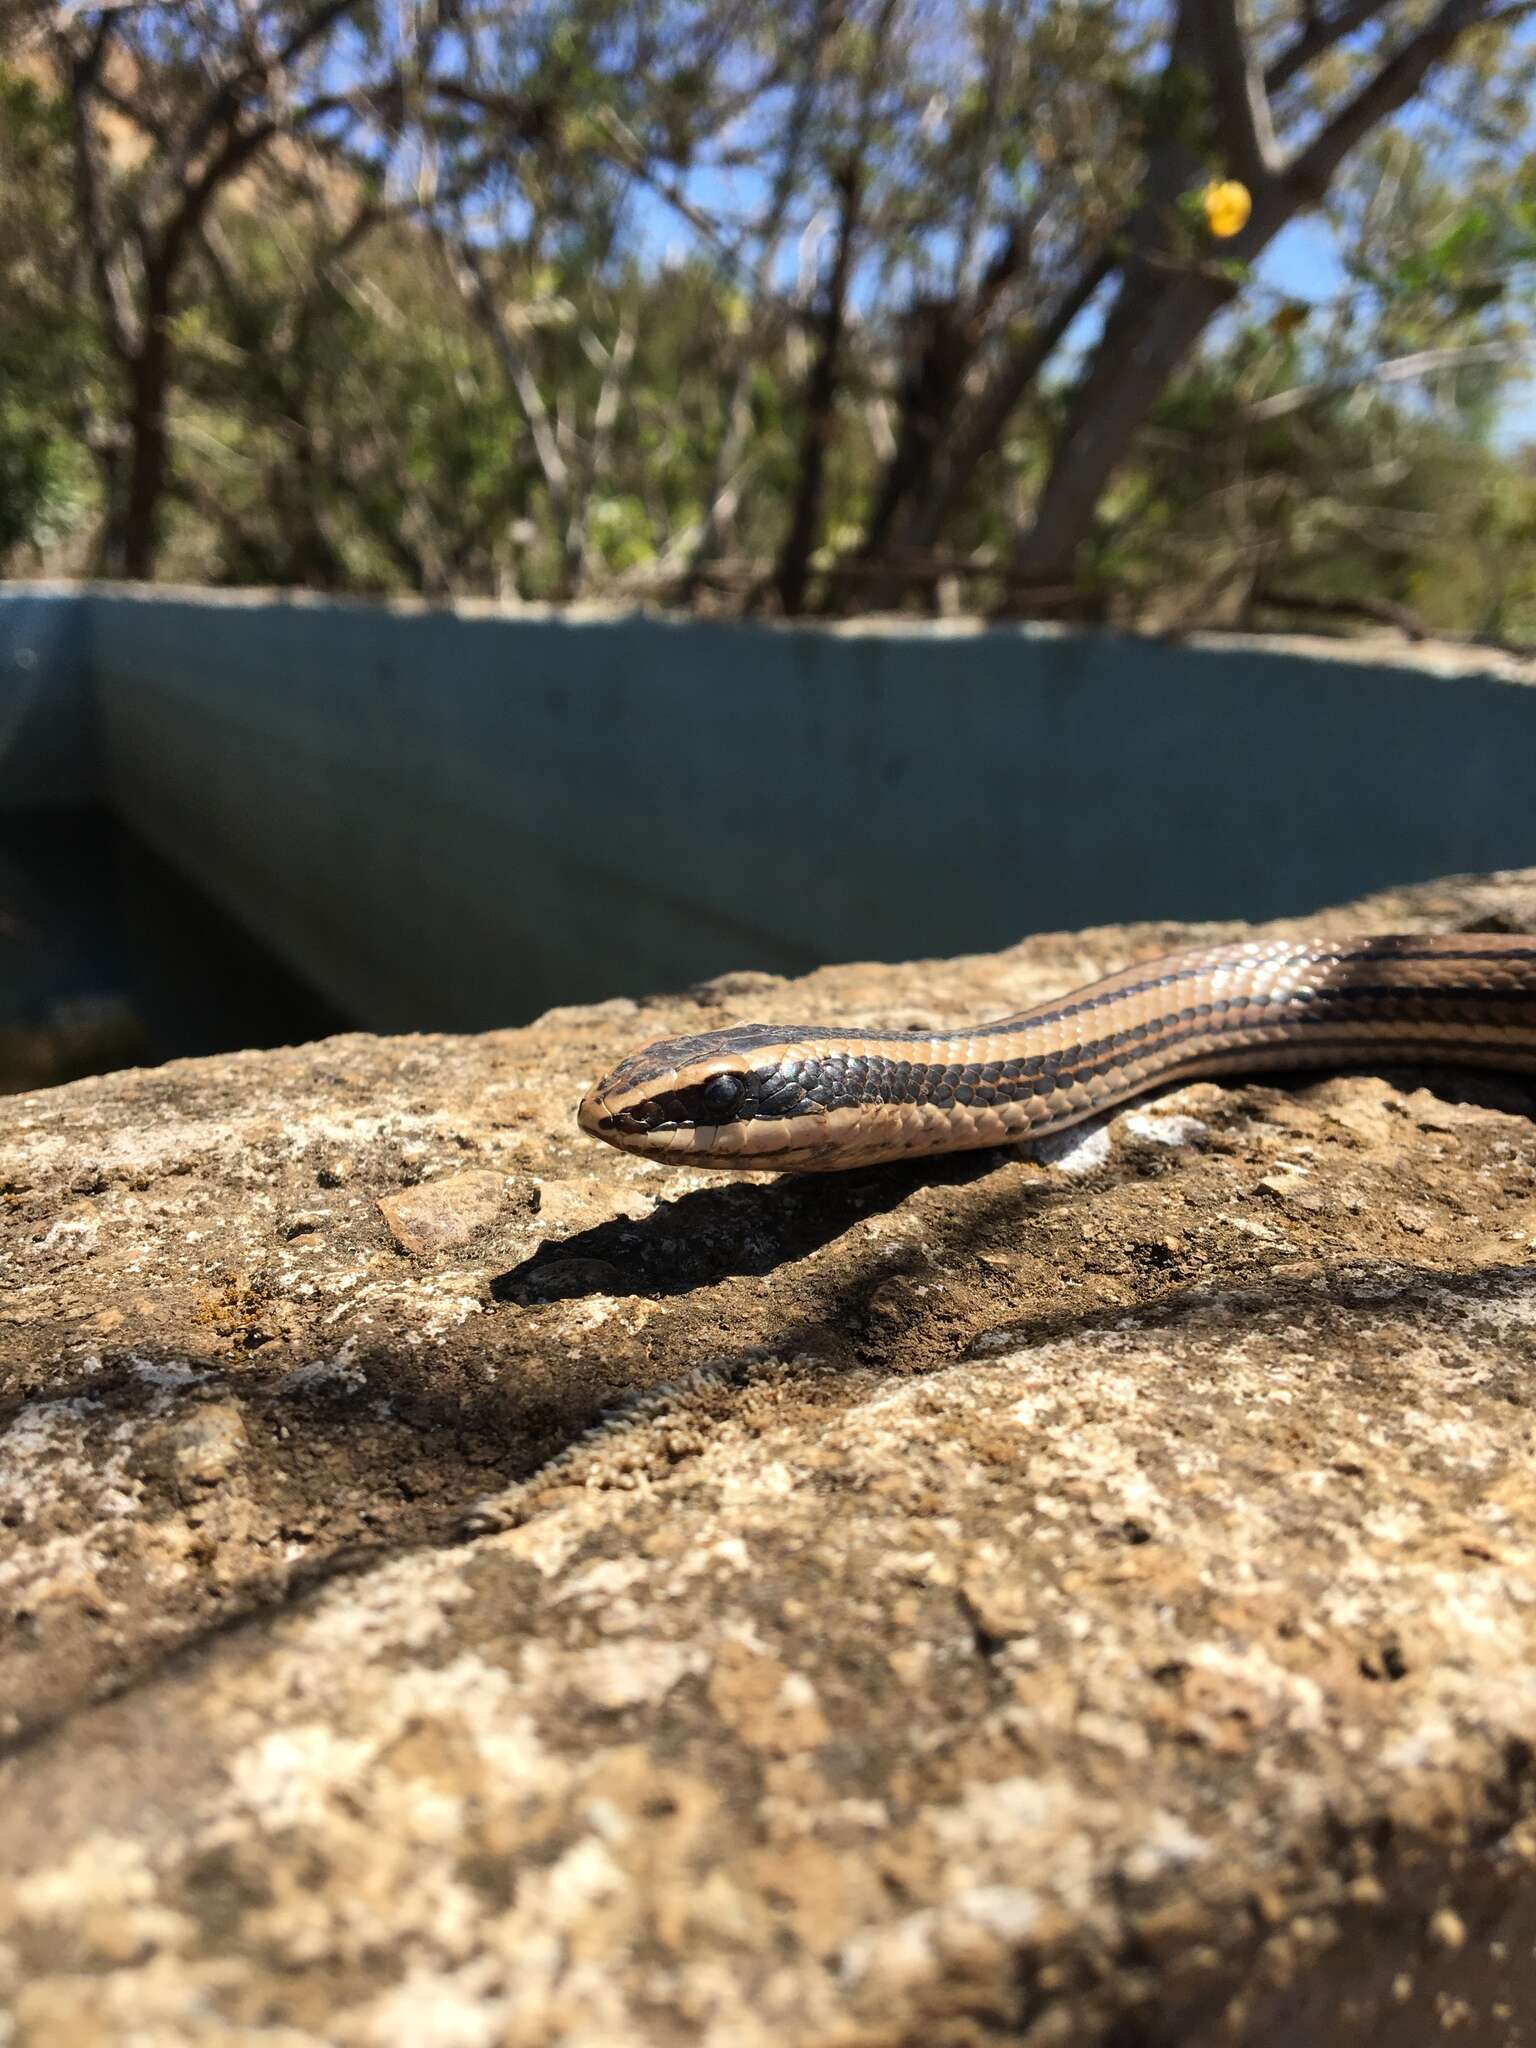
[[810, 1096]]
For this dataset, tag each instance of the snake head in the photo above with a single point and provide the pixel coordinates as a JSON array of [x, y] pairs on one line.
[[726, 1098]]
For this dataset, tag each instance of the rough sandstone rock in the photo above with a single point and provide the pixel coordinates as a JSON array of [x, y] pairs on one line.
[[1082, 1600]]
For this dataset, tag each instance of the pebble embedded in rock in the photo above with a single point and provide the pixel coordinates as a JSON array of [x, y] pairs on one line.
[[209, 1442], [564, 1279], [443, 1212]]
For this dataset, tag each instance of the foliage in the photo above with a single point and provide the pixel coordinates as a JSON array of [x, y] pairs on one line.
[[47, 344], [598, 295]]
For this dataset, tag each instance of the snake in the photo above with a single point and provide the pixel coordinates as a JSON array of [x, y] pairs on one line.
[[772, 1098]]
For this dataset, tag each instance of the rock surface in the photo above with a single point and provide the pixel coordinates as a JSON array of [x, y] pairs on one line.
[[462, 1586]]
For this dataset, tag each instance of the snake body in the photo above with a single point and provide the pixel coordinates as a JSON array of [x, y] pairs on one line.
[[814, 1097]]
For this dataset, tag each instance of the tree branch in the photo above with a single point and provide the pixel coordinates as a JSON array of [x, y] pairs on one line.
[[113, 294], [980, 426], [792, 572], [719, 497], [236, 151], [469, 274], [221, 109], [600, 448], [239, 146], [122, 105], [1312, 171], [1239, 104], [1319, 36], [1423, 362]]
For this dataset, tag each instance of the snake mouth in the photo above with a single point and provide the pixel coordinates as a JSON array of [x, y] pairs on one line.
[[596, 1119], [631, 1129]]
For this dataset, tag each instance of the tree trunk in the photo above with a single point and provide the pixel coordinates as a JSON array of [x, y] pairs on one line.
[[313, 564], [722, 491], [134, 523], [133, 530], [1150, 333], [913, 517], [945, 346], [148, 470], [792, 575]]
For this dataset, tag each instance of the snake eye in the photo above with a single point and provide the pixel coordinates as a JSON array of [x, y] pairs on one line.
[[722, 1096]]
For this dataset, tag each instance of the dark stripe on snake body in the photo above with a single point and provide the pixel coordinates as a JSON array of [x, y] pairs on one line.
[[842, 1083]]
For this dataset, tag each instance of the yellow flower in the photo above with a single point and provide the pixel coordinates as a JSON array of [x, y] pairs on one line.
[[1227, 207]]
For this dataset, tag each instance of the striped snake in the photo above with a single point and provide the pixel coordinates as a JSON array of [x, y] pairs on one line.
[[814, 1097]]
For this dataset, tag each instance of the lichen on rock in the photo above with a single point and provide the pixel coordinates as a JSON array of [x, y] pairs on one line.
[[462, 1586]]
